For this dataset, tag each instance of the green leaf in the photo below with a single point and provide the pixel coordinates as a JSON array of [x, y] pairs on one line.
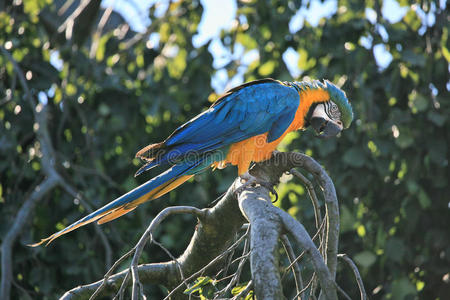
[[303, 62], [267, 68], [395, 249], [405, 139], [198, 284], [413, 58], [347, 219], [354, 157], [164, 32], [100, 54], [424, 200], [436, 118], [402, 287], [365, 258], [446, 54], [250, 296], [239, 288], [246, 40], [177, 66], [418, 102]]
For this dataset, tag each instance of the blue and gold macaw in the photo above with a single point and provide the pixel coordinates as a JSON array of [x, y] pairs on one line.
[[243, 126]]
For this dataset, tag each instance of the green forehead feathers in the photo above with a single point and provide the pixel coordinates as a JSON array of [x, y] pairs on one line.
[[339, 98], [336, 95]]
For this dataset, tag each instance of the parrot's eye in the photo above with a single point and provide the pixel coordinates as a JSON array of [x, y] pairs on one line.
[[332, 110]]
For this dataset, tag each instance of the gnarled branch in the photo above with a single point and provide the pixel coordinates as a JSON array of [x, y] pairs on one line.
[[213, 242]]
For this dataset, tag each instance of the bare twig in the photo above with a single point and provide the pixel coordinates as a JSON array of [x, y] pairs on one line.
[[340, 290], [110, 271], [148, 234], [301, 236], [236, 276], [154, 273], [354, 268], [98, 32], [68, 23], [20, 220], [212, 262], [121, 290], [306, 287], [312, 195], [331, 204], [303, 253], [295, 267]]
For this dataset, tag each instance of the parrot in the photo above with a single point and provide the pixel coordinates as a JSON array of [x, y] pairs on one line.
[[242, 127]]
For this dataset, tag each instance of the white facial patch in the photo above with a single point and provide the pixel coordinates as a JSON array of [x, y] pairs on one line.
[[319, 112], [328, 111]]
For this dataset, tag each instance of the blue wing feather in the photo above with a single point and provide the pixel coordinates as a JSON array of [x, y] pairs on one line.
[[280, 126], [245, 112]]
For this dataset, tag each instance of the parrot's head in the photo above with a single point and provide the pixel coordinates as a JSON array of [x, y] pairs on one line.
[[330, 117]]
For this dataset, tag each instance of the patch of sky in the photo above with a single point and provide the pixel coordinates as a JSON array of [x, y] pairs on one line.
[[392, 11], [382, 56], [382, 32], [217, 15], [133, 11], [153, 40], [427, 19], [51, 91], [42, 97], [434, 90], [220, 53], [316, 11], [56, 61], [220, 80], [366, 41], [290, 58], [371, 15]]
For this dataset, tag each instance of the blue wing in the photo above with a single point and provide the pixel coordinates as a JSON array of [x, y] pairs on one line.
[[251, 109]]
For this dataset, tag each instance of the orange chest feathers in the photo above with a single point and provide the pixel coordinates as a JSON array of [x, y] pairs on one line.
[[256, 148]]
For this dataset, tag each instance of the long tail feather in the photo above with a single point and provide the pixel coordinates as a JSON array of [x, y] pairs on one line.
[[152, 189], [118, 212]]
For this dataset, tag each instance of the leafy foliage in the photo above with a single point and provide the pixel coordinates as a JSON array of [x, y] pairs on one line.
[[107, 96], [204, 286]]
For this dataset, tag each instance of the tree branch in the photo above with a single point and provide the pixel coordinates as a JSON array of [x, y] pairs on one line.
[[148, 235], [212, 241], [293, 264], [269, 222], [52, 180], [354, 268], [265, 231], [20, 220], [213, 236]]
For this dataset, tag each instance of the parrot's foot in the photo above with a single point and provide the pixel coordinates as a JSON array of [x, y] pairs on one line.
[[250, 180]]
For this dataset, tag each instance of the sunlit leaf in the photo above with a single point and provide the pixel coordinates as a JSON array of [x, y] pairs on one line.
[[198, 284], [267, 68]]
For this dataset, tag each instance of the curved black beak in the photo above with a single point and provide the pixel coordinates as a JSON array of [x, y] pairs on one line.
[[324, 128]]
